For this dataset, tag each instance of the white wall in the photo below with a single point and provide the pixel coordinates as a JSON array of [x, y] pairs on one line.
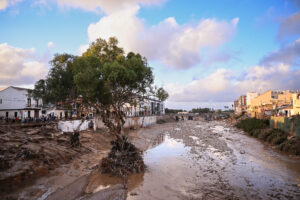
[[71, 126], [132, 121], [13, 98]]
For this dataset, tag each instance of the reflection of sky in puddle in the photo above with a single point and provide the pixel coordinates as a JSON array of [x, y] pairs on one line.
[[168, 148]]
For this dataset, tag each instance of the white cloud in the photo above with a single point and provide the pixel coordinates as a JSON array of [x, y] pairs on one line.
[[214, 87], [177, 46], [107, 6], [18, 66], [82, 49], [6, 3], [223, 86], [50, 44], [278, 77], [289, 54]]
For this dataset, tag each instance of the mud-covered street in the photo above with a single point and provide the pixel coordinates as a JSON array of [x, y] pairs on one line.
[[211, 160], [185, 160]]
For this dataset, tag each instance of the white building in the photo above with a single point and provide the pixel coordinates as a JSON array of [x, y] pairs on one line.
[[147, 107], [16, 103]]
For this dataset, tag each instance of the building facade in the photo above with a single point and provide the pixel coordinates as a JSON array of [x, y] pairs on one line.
[[271, 103], [16, 103], [240, 105]]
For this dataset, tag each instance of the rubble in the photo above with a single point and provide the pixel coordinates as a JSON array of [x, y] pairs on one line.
[[124, 159], [30, 152]]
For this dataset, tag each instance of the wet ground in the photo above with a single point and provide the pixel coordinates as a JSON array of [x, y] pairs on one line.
[[211, 160], [187, 160]]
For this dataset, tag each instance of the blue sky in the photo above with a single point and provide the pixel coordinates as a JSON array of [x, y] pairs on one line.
[[205, 53]]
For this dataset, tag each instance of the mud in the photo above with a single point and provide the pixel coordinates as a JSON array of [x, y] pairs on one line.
[[212, 160], [185, 160]]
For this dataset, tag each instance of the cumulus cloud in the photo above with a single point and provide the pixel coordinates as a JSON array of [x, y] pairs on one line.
[[278, 77], [6, 3], [215, 87], [289, 54], [223, 86], [107, 6], [18, 66], [177, 46]]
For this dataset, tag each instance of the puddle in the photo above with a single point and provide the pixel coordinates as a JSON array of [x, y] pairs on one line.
[[166, 176]]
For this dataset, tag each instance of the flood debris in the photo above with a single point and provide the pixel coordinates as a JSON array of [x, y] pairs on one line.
[[124, 159], [27, 153], [75, 141]]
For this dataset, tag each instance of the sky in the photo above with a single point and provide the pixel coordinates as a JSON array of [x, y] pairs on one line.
[[205, 53]]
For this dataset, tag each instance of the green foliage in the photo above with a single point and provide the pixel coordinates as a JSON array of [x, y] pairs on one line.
[[59, 84], [276, 136], [291, 146], [251, 124], [108, 80], [259, 128], [173, 111], [104, 77], [40, 91], [161, 94], [112, 83], [105, 51], [200, 110]]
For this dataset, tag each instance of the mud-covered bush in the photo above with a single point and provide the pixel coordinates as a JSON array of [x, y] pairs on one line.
[[251, 124], [276, 136], [291, 146], [124, 159]]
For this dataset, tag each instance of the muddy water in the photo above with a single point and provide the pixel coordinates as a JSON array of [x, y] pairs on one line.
[[201, 160]]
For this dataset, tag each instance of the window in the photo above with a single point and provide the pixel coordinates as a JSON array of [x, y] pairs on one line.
[[0, 101], [28, 102], [16, 114], [36, 103]]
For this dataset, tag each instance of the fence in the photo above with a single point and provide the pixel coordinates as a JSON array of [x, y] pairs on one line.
[[288, 125]]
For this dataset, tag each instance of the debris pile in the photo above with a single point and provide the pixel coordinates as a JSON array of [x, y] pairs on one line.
[[28, 153], [124, 159]]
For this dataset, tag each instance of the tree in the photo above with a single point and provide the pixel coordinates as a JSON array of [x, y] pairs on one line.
[[107, 80], [40, 91], [112, 84], [161, 94], [58, 87]]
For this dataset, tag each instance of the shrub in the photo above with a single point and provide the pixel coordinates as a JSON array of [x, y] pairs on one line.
[[291, 146], [276, 136], [251, 124]]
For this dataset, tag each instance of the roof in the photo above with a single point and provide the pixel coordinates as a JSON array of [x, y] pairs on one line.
[[17, 88], [3, 88]]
